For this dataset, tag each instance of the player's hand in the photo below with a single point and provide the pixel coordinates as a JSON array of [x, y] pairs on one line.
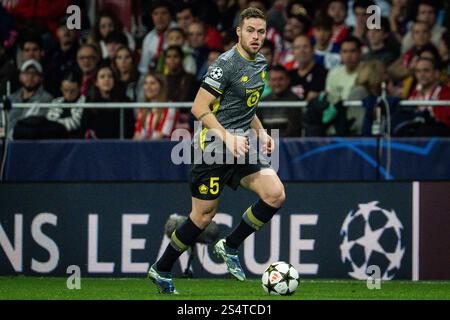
[[238, 145], [268, 144]]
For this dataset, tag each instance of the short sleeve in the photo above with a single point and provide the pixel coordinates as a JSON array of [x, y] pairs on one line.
[[216, 79]]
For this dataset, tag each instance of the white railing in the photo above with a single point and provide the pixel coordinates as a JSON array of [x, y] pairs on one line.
[[185, 105]]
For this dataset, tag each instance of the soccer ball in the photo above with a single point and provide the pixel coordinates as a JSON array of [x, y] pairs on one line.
[[280, 279]]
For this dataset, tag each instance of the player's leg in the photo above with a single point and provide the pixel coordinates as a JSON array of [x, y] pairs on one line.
[[182, 238], [270, 190]]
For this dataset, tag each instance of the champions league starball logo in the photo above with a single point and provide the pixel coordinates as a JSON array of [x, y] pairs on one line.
[[216, 73], [372, 236]]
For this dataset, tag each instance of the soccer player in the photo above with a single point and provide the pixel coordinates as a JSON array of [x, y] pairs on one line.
[[227, 102]]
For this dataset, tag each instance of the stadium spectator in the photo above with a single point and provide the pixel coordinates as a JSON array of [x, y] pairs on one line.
[[425, 120], [287, 120], [70, 118], [186, 16], [31, 90], [367, 89], [156, 123], [337, 10], [444, 52], [176, 37], [197, 41], [63, 58], [227, 11], [403, 66], [295, 25], [359, 10], [340, 80], [326, 53], [31, 47], [421, 37], [112, 42], [378, 49], [272, 34], [104, 123], [429, 51], [268, 51], [229, 41], [307, 76], [352, 16], [108, 24], [88, 57], [127, 74], [185, 83], [154, 42], [398, 18], [427, 14], [213, 55]]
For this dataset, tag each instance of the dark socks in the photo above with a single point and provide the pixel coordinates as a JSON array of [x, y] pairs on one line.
[[253, 219], [181, 240]]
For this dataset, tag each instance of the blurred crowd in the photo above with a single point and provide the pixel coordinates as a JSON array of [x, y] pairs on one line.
[[323, 52]]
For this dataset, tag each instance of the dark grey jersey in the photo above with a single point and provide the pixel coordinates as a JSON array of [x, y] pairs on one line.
[[237, 83]]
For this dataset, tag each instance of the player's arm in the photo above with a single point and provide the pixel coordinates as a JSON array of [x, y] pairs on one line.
[[268, 143], [201, 109]]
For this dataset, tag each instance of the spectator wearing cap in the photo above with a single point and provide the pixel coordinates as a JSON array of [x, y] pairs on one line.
[[31, 47], [155, 41], [31, 91]]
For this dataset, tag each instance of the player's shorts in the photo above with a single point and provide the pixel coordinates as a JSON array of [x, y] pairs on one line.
[[208, 180]]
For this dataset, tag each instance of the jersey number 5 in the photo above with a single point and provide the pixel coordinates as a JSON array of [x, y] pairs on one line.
[[214, 185]]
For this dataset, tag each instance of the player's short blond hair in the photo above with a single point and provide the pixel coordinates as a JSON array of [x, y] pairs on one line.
[[248, 13]]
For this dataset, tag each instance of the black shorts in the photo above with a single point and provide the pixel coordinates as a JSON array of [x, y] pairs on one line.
[[208, 180]]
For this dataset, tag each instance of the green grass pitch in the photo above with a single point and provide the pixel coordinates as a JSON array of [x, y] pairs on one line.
[[20, 287]]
